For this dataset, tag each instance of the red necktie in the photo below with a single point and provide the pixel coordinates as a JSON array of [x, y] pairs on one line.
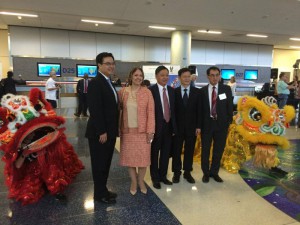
[[85, 86], [166, 106], [213, 103]]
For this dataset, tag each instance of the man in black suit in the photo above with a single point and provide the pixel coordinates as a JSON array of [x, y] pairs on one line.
[[215, 117], [186, 111], [82, 88], [102, 126], [165, 127]]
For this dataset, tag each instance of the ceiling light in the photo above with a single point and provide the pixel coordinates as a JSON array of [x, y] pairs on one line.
[[19, 17], [210, 31], [294, 46], [18, 14], [257, 35], [295, 39], [96, 24], [162, 28], [96, 21]]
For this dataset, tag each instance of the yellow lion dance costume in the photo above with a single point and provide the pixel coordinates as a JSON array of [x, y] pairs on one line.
[[257, 131]]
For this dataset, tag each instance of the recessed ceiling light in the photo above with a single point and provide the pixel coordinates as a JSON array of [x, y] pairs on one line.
[[257, 35], [19, 17], [18, 14], [294, 46], [210, 31], [97, 21], [162, 28], [295, 39]]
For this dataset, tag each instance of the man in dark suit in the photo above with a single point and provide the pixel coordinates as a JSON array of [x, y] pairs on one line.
[[82, 88], [186, 111], [165, 127], [215, 117], [102, 126]]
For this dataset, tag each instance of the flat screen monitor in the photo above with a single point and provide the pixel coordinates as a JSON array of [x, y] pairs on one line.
[[44, 69], [81, 69], [250, 75], [226, 74]]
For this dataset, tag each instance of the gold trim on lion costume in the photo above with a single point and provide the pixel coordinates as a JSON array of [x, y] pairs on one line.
[[257, 130]]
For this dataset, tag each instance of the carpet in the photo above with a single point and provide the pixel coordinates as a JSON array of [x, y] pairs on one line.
[[283, 193]]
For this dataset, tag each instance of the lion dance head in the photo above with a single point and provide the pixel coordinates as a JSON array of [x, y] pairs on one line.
[[36, 151], [258, 129]]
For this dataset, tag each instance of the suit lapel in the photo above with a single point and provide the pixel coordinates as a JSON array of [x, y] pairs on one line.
[[157, 96], [178, 93]]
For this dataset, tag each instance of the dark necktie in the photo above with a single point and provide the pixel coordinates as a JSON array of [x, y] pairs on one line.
[[213, 103], [185, 98], [110, 84], [166, 106], [85, 86]]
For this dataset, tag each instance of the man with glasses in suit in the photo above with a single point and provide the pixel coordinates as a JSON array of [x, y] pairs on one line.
[[215, 117], [102, 126]]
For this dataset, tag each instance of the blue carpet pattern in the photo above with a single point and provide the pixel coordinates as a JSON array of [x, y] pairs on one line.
[[283, 193]]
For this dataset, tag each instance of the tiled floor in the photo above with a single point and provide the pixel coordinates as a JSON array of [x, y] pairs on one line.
[[230, 203]]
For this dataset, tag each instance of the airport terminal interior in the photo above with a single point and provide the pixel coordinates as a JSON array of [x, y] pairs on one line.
[[254, 41], [231, 202]]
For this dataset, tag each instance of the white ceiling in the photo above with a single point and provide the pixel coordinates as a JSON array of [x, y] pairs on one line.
[[279, 19]]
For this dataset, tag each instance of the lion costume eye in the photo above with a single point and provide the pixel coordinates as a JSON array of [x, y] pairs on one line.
[[255, 114]]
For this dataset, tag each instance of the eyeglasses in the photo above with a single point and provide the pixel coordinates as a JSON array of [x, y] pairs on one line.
[[109, 64], [214, 75]]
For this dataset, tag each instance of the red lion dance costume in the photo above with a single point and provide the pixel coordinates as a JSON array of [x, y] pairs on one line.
[[37, 155]]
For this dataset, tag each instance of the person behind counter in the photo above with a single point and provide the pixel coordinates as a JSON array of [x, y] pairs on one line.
[[116, 81], [9, 84], [82, 88], [283, 90], [51, 88]]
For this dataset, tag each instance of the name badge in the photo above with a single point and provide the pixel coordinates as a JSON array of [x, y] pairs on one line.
[[222, 96]]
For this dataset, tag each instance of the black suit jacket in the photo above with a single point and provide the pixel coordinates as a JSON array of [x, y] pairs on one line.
[[187, 118], [224, 108], [80, 86], [159, 116], [103, 109]]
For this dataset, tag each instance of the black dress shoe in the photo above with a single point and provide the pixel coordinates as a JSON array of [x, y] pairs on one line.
[[205, 179], [166, 181], [106, 200], [156, 185], [112, 194], [189, 178], [76, 114], [176, 179], [217, 178]]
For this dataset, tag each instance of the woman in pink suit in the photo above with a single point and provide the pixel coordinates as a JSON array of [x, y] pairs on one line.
[[137, 129]]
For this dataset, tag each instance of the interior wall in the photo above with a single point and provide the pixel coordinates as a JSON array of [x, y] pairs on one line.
[[4, 53], [285, 59]]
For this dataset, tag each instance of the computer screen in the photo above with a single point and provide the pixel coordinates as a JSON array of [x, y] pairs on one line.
[[250, 75], [81, 69], [44, 69], [226, 74]]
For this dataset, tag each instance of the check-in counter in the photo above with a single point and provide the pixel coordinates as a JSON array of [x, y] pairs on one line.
[[67, 93]]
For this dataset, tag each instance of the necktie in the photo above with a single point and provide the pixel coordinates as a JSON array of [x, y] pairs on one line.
[[166, 106], [185, 98], [110, 84], [85, 86], [213, 103]]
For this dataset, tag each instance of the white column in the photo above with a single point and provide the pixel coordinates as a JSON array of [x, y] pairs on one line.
[[181, 48]]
